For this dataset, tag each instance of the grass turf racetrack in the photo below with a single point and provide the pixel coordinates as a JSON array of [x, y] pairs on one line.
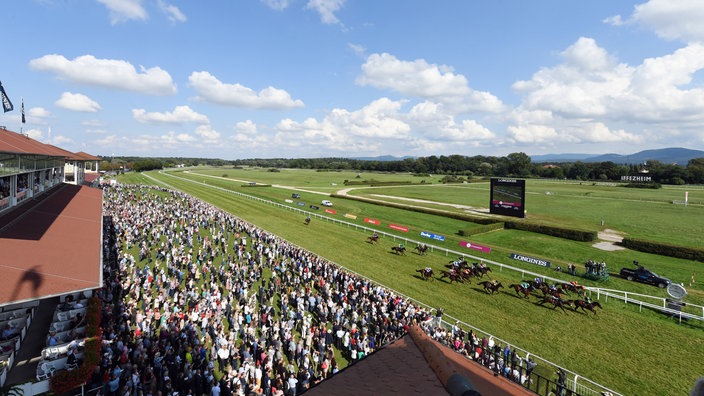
[[622, 348]]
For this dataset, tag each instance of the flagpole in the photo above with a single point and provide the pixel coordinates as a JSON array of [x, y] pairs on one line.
[[22, 111]]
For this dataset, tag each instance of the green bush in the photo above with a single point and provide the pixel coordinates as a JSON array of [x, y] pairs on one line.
[[663, 249], [651, 185], [567, 233]]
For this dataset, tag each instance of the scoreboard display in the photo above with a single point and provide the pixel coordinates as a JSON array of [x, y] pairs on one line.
[[508, 197]]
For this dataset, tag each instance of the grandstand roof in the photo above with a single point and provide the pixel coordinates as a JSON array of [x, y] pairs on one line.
[[52, 245], [69, 155], [86, 156], [414, 364], [13, 142]]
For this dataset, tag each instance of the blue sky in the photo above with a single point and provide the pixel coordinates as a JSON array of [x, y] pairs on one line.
[[344, 78]]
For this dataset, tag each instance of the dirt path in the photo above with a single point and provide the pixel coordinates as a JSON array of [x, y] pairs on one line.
[[608, 239]]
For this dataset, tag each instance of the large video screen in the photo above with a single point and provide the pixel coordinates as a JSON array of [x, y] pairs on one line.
[[508, 197]]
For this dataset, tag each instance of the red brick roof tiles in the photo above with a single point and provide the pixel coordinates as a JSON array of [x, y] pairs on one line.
[[13, 142]]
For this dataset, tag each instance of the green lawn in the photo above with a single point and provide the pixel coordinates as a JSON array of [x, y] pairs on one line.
[[605, 348]]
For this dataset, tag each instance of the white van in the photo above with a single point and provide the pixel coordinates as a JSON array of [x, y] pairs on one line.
[[325, 202]]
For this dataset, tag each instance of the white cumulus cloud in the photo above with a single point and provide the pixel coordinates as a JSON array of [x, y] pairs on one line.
[[212, 90], [125, 10], [107, 73], [77, 102], [208, 133], [172, 12], [326, 9], [180, 115], [672, 19], [592, 97], [426, 81]]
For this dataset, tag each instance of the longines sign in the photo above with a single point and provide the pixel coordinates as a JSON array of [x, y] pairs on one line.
[[532, 260]]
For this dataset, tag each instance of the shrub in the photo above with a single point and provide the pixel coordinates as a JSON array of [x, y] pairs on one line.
[[663, 249], [567, 233], [651, 185]]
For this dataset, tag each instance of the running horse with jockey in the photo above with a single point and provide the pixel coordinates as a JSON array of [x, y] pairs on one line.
[[373, 239], [426, 273]]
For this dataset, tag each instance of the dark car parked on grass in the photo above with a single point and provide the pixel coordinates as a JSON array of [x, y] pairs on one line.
[[644, 275]]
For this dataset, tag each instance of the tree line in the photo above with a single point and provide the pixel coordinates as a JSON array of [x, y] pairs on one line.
[[513, 165]]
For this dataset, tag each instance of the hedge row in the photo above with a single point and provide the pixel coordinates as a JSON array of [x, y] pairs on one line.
[[567, 233], [663, 249], [482, 229], [437, 212]]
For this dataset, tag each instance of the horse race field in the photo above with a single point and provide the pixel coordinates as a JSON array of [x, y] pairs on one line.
[[629, 349]]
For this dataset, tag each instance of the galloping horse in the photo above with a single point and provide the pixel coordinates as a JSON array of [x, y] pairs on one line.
[[573, 287], [521, 290], [491, 287], [426, 273], [552, 291], [555, 301], [454, 276], [459, 263], [399, 250], [307, 220], [373, 239], [481, 271], [585, 305], [422, 248]]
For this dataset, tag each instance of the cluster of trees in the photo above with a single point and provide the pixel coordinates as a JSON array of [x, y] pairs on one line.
[[512, 165], [139, 164]]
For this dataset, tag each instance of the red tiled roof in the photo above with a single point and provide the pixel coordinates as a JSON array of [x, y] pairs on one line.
[[414, 364], [69, 155], [13, 142], [87, 157], [52, 247], [89, 177], [397, 369]]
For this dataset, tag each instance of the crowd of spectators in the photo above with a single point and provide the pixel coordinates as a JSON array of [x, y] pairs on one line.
[[502, 359], [212, 305]]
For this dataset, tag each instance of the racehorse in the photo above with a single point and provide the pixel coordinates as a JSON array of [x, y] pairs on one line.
[[555, 301], [585, 305], [426, 273], [307, 220], [373, 239], [399, 250], [459, 263], [491, 287], [552, 291], [481, 271], [521, 290], [465, 274], [422, 248], [573, 287], [454, 276]]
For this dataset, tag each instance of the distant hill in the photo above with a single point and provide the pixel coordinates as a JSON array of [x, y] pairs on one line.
[[672, 155], [560, 157]]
